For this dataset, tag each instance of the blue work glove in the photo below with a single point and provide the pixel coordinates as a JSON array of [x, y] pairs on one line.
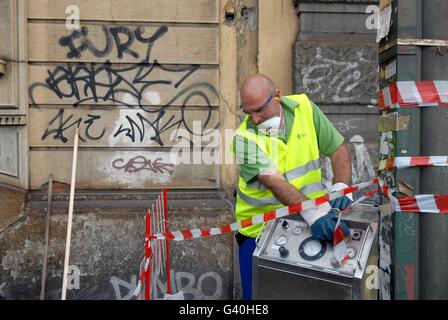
[[343, 202], [323, 228]]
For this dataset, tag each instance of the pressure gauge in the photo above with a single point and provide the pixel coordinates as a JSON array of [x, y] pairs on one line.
[[351, 252], [311, 249], [281, 240], [297, 230]]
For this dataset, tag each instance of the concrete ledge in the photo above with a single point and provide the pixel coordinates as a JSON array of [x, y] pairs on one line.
[[129, 204], [144, 195], [107, 247]]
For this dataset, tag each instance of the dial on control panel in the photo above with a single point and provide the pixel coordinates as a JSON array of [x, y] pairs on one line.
[[312, 250], [351, 252], [297, 230], [281, 240]]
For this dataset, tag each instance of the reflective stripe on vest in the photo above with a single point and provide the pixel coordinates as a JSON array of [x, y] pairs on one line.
[[290, 175], [308, 189], [297, 160]]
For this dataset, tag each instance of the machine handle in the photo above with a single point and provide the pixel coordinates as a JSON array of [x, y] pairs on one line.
[[362, 246]]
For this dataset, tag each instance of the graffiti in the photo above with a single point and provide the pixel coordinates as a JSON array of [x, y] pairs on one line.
[[113, 36], [84, 82], [128, 86], [199, 293], [406, 228], [134, 126], [64, 124], [208, 287], [2, 293], [117, 284], [141, 163], [131, 125], [349, 124], [363, 168], [362, 165], [338, 81]]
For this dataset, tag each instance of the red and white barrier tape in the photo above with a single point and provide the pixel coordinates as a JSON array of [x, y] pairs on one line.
[[407, 162], [424, 203], [282, 212], [414, 94], [142, 277]]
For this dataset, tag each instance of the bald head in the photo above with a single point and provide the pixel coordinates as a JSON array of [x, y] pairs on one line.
[[256, 86], [258, 92]]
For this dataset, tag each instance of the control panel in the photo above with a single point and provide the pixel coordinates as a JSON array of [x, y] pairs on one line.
[[291, 242]]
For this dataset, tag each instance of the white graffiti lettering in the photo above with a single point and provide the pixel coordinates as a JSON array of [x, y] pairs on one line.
[[117, 283], [209, 286]]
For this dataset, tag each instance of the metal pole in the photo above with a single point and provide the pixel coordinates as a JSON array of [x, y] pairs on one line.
[[434, 180], [47, 237], [70, 216], [402, 239]]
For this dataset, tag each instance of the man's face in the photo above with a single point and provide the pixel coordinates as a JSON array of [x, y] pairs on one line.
[[261, 107]]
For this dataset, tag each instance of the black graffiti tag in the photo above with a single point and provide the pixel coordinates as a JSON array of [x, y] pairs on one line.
[[83, 82], [94, 83], [139, 163], [79, 41], [64, 124]]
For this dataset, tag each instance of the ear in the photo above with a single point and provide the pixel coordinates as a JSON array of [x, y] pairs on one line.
[[277, 95]]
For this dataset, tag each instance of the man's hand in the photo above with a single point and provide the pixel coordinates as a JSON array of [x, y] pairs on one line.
[[343, 202], [323, 228]]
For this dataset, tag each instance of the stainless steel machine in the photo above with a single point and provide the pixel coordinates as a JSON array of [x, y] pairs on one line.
[[288, 264]]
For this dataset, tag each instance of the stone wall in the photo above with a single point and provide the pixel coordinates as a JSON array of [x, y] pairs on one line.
[[336, 64], [107, 248]]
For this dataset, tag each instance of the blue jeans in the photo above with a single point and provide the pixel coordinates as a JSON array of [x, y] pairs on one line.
[[246, 249]]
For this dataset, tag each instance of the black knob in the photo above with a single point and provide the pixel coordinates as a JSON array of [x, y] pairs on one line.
[[285, 224], [283, 252]]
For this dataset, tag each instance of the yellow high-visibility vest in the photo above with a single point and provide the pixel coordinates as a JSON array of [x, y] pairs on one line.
[[297, 160]]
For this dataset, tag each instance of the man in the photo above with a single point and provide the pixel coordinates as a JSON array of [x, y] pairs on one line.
[[277, 148]]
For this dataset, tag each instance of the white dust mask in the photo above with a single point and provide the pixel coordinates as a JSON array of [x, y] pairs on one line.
[[271, 126]]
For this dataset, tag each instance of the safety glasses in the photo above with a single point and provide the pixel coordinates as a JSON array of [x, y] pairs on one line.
[[265, 105]]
